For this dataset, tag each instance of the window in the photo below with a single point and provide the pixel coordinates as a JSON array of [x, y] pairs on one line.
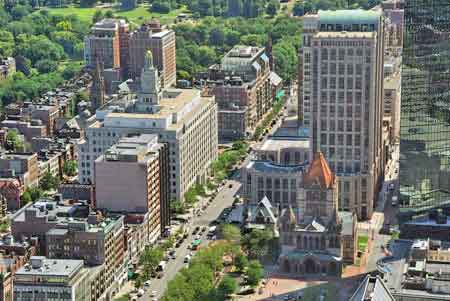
[[349, 69], [341, 54], [323, 139], [349, 140], [332, 68], [341, 111], [349, 126], [277, 183], [268, 183], [285, 184], [331, 138], [341, 125], [340, 139]]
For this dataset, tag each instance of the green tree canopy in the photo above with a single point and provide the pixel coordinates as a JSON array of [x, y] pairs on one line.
[[254, 273], [48, 182], [70, 167], [230, 232]]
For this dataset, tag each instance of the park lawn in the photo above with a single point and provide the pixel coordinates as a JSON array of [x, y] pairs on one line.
[[137, 15]]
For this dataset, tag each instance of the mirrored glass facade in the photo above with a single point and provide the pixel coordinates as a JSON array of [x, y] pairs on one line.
[[425, 107]]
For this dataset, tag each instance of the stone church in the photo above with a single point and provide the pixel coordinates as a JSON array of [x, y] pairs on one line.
[[312, 232]]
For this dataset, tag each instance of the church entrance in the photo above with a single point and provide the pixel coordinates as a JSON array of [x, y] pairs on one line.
[[310, 266], [286, 266], [332, 269]]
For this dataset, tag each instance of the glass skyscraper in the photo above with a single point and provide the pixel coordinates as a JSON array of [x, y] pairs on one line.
[[425, 106]]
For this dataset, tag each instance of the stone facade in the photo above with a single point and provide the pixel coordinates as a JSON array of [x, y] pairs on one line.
[[311, 231]]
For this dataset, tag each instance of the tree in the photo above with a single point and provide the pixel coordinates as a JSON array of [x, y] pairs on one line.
[[298, 9], [46, 66], [257, 242], [48, 181], [272, 8], [254, 273], [13, 141], [109, 14], [241, 262], [88, 3], [70, 168], [23, 64], [160, 6], [6, 44], [150, 259], [217, 37], [31, 194], [98, 15], [227, 286], [230, 232], [20, 11]]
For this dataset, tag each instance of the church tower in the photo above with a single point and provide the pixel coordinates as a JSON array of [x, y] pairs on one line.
[[97, 93], [150, 91]]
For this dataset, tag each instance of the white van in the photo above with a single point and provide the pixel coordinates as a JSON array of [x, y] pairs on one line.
[[161, 266]]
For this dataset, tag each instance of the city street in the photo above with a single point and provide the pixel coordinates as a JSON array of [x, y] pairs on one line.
[[223, 199]]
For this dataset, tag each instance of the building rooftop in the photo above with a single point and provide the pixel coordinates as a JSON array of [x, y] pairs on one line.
[[175, 106], [319, 172], [347, 16], [393, 82], [42, 266], [132, 149], [63, 216], [266, 166], [372, 289], [277, 143], [345, 34]]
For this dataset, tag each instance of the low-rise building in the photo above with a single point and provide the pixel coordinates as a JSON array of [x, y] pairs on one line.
[[29, 129], [284, 150], [11, 189], [13, 256], [22, 165], [52, 279], [68, 231]]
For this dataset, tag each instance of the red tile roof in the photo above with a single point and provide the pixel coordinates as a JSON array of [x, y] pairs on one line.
[[319, 172]]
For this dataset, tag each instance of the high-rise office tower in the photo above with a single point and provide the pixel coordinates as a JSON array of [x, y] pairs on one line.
[[425, 112], [340, 99]]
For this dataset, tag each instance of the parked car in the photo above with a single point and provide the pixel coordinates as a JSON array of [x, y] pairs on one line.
[[147, 283]]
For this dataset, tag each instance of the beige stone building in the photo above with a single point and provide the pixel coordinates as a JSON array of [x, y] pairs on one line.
[[182, 118], [341, 99], [311, 231]]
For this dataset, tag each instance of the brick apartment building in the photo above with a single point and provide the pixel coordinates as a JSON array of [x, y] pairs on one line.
[[243, 87]]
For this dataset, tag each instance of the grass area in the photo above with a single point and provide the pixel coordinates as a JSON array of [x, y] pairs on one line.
[[125, 297], [137, 15], [362, 242], [329, 292]]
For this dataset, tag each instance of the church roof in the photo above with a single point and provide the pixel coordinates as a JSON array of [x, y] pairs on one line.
[[315, 226], [319, 172], [263, 208]]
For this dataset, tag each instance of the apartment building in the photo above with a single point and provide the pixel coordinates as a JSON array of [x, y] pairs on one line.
[[128, 180], [25, 166], [182, 118], [341, 99], [106, 40], [161, 42], [243, 86], [52, 279]]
